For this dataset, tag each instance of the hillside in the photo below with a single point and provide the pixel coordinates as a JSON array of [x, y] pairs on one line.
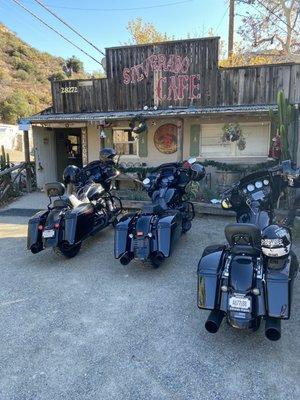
[[24, 77]]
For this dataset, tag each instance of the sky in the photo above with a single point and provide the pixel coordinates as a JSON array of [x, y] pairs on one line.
[[104, 22]]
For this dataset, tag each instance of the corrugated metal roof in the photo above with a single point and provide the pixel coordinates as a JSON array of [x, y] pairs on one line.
[[170, 112]]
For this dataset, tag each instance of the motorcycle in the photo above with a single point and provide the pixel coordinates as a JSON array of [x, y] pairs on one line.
[[70, 219], [149, 235], [251, 278]]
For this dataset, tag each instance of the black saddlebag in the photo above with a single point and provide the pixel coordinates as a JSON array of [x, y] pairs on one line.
[[209, 273], [78, 222], [34, 234]]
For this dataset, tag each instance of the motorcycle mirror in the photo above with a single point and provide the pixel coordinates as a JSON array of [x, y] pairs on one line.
[[192, 160], [146, 181]]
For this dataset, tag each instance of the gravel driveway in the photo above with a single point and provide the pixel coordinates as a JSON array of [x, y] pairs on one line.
[[92, 329]]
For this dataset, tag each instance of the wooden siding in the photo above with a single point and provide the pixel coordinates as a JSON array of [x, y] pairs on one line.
[[217, 87]]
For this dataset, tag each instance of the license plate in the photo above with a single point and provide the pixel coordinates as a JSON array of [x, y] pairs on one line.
[[239, 303], [48, 233], [141, 248]]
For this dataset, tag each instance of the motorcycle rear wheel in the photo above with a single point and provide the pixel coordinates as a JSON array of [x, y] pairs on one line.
[[70, 251]]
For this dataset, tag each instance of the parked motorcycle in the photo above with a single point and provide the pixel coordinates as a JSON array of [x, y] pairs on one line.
[[70, 219], [251, 278], [149, 235]]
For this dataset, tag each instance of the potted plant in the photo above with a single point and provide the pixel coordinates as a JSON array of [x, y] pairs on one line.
[[232, 132]]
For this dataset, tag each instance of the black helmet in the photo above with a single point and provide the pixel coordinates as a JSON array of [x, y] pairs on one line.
[[197, 172], [276, 241], [70, 174], [107, 153]]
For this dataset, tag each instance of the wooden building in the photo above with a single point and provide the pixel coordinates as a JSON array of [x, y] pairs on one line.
[[185, 99]]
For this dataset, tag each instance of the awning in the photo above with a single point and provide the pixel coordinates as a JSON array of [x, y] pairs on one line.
[[47, 116]]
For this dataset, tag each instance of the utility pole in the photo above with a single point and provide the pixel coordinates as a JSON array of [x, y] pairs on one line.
[[231, 28]]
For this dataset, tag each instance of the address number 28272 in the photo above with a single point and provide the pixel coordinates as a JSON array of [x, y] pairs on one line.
[[69, 89]]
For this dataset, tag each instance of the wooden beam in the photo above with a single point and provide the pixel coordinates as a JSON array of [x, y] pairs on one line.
[[27, 161]]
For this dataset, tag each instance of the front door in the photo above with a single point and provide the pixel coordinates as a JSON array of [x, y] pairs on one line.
[[68, 149]]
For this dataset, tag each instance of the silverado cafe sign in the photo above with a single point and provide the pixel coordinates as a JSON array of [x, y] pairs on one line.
[[177, 85]]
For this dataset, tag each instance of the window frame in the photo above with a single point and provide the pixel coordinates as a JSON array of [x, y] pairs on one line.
[[126, 128]]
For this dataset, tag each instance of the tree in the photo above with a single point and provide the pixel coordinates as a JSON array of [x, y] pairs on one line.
[[145, 32], [14, 107], [72, 65], [271, 25]]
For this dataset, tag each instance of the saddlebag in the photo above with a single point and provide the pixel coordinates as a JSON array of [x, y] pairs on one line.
[[279, 284], [34, 234], [122, 230], [169, 229], [209, 273], [78, 222]]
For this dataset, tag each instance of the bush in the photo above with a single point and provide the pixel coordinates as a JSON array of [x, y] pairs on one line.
[[27, 66], [58, 76], [21, 74], [14, 107]]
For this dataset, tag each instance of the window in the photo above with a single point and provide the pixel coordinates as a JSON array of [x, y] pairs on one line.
[[124, 142], [257, 137]]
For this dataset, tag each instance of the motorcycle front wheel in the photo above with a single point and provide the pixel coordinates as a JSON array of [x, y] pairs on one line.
[[69, 250]]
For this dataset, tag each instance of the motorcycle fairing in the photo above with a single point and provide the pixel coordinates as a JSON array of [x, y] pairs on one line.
[[209, 272], [34, 235], [78, 222]]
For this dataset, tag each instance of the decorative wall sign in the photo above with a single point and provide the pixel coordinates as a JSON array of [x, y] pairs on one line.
[[84, 147], [165, 139], [176, 87]]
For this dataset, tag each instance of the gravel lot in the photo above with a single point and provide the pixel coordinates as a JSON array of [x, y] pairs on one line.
[[92, 329]]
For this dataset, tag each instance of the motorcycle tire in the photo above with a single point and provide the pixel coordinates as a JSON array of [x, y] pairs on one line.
[[186, 226], [70, 251]]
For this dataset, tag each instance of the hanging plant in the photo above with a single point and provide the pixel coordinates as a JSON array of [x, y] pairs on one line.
[[233, 133]]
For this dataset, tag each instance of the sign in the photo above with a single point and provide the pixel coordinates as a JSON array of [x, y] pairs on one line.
[[165, 138], [24, 125], [177, 85]]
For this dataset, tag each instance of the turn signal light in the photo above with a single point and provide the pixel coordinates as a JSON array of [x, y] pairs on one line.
[[40, 227], [56, 226]]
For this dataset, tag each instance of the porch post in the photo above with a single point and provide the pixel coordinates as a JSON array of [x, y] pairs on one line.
[[27, 160], [180, 139]]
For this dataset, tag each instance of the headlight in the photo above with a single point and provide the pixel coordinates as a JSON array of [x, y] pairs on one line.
[[226, 204]]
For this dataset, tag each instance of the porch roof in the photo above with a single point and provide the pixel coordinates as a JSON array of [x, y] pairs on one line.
[[48, 116]]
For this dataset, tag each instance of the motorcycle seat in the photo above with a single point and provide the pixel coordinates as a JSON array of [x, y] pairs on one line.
[[75, 202], [243, 235]]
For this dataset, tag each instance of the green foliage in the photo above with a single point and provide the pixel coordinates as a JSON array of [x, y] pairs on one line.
[[72, 65], [58, 76], [282, 121], [4, 159], [14, 107], [21, 74]]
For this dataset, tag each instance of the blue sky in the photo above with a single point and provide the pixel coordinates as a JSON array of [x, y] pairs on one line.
[[107, 26]]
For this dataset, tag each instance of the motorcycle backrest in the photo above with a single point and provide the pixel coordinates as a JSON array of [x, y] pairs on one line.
[[243, 235], [54, 189]]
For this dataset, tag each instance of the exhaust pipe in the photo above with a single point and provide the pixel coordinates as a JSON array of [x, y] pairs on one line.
[[273, 328], [126, 258], [157, 259], [214, 320], [36, 248]]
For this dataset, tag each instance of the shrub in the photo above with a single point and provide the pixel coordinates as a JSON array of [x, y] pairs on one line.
[[14, 107], [21, 74]]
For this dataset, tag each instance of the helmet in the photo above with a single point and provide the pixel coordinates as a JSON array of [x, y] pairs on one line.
[[70, 174], [276, 241], [197, 172], [107, 153]]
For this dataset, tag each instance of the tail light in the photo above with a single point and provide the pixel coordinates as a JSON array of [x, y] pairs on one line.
[[56, 225]]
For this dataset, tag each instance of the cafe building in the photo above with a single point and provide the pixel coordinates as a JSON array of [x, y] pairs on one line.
[[180, 102]]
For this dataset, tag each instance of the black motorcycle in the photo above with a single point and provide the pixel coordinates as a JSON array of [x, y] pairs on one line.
[[252, 276], [70, 219], [150, 234]]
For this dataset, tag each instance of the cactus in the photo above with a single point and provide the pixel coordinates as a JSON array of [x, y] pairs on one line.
[[4, 159], [282, 121]]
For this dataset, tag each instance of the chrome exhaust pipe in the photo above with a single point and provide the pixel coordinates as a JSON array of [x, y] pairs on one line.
[[273, 328], [126, 258], [214, 320]]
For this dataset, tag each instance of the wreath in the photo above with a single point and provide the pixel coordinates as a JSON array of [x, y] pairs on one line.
[[233, 133], [138, 124]]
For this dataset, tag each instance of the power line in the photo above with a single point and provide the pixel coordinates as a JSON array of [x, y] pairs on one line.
[[222, 18], [122, 9], [54, 30], [69, 26]]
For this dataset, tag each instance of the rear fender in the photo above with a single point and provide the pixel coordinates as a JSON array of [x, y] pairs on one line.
[[122, 242], [34, 235], [169, 230], [241, 274], [209, 273], [53, 218]]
